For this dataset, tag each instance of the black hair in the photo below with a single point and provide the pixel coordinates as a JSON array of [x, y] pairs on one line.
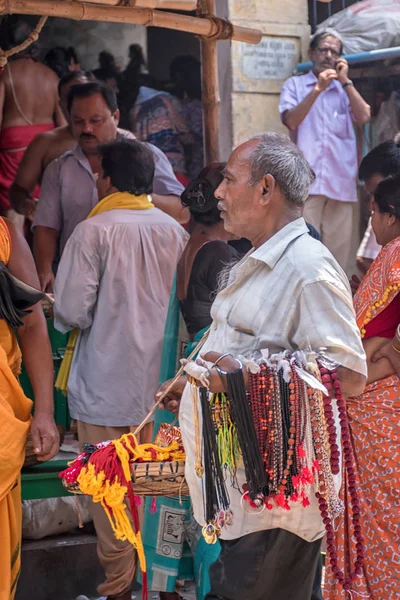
[[59, 59], [185, 72], [15, 29], [86, 90], [129, 164], [383, 160], [199, 195], [136, 56], [316, 39], [108, 68], [74, 76], [106, 60], [387, 195]]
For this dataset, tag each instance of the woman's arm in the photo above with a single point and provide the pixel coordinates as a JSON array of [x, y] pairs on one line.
[[36, 352], [379, 365]]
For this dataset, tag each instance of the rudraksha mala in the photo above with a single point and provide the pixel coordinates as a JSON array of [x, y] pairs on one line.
[[346, 581], [282, 433], [284, 429]]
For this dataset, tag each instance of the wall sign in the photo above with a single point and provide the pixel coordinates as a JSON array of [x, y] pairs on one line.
[[272, 58]]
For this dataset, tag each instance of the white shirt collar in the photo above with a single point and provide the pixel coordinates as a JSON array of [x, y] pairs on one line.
[[271, 251]]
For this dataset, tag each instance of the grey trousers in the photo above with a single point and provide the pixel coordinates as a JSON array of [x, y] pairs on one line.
[[266, 565]]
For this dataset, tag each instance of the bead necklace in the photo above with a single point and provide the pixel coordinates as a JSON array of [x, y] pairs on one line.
[[345, 581]]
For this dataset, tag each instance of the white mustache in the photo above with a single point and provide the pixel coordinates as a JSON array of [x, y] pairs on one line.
[[220, 206]]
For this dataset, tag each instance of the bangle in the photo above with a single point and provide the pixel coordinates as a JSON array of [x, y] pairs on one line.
[[395, 349], [220, 358], [345, 85], [398, 332]]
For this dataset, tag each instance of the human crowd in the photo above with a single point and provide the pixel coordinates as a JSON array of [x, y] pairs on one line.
[[128, 230]]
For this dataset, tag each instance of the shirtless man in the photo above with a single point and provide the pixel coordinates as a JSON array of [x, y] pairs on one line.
[[28, 106], [43, 150]]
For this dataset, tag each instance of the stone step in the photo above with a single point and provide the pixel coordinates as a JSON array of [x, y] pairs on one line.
[[59, 568]]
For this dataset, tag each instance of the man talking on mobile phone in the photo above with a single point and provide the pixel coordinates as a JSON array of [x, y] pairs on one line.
[[319, 110]]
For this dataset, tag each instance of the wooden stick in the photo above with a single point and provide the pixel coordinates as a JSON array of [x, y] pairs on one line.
[[174, 380], [210, 27], [187, 5], [210, 93]]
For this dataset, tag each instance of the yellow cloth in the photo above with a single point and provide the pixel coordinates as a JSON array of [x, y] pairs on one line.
[[8, 340], [15, 410], [119, 200]]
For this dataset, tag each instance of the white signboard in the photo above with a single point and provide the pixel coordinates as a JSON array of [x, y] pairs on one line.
[[272, 58]]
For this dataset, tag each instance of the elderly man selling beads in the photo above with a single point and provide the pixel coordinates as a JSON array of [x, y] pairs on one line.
[[288, 293]]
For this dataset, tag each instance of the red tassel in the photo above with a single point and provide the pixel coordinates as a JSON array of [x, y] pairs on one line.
[[307, 476], [145, 587], [316, 466], [280, 500], [296, 481]]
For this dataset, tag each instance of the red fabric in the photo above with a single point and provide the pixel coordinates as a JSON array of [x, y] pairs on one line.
[[15, 138], [385, 324], [183, 179]]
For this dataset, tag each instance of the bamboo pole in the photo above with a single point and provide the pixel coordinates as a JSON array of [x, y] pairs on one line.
[[210, 27], [210, 94], [187, 5]]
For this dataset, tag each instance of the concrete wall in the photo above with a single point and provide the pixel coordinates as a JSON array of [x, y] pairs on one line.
[[258, 73], [90, 37]]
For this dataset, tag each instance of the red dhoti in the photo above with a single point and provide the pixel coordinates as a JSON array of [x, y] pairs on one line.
[[13, 143]]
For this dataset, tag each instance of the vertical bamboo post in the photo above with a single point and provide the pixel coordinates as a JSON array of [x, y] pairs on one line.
[[210, 91]]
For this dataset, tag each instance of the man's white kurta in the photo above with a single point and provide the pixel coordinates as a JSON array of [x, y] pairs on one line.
[[113, 283]]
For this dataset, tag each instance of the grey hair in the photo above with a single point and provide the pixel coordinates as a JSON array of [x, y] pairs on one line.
[[276, 155]]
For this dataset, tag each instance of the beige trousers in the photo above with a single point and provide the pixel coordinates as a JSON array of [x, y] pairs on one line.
[[334, 221], [118, 559]]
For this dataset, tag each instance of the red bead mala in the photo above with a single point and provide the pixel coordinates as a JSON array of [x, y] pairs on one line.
[[309, 453], [346, 581]]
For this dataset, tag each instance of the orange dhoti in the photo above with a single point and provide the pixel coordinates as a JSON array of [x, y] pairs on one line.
[[13, 143]]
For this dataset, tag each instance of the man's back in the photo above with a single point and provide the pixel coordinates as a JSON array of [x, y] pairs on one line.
[[114, 282], [29, 92]]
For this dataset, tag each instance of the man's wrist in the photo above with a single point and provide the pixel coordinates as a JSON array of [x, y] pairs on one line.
[[347, 83]]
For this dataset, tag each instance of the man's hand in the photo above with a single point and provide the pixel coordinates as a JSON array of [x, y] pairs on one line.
[[354, 283], [171, 402], [342, 70], [228, 364], [387, 351], [30, 208], [325, 78], [45, 436], [47, 281]]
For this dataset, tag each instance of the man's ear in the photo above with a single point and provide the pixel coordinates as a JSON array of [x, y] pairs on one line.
[[116, 116], [107, 183], [268, 185]]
